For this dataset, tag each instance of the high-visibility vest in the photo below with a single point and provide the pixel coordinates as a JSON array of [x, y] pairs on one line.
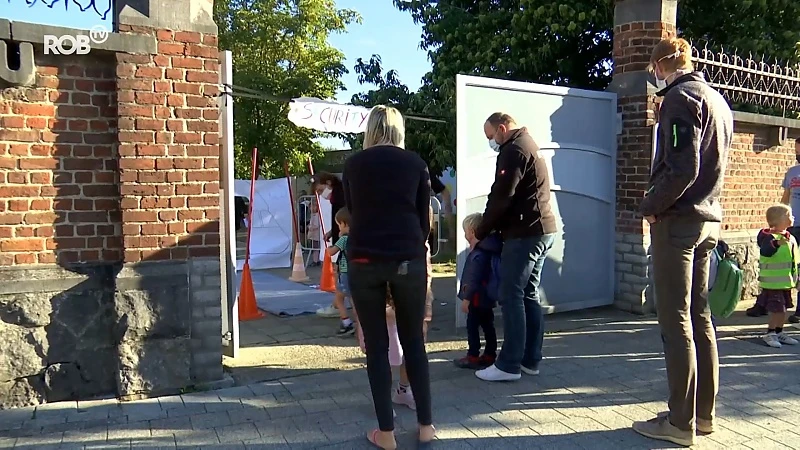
[[778, 271]]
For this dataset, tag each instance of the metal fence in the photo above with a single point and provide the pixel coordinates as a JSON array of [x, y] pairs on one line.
[[311, 247], [750, 81]]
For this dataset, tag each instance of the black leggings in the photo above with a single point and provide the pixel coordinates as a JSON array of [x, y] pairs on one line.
[[368, 289]]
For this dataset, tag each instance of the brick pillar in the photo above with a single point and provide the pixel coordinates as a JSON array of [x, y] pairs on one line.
[[168, 148], [638, 26], [169, 181]]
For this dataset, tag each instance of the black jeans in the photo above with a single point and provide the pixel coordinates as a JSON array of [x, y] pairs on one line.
[[481, 318], [368, 289]]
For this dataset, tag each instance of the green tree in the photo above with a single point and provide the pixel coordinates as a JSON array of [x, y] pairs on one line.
[[569, 42], [279, 47], [434, 141], [762, 27]]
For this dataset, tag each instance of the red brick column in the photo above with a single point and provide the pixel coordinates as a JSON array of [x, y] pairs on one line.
[[168, 147], [638, 26]]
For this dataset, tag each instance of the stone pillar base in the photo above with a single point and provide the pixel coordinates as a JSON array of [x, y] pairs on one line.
[[633, 289]]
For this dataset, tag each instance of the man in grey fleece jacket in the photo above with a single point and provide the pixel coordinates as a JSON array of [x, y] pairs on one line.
[[682, 206]]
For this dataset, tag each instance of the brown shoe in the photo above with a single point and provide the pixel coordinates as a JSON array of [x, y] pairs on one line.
[[704, 426], [660, 428]]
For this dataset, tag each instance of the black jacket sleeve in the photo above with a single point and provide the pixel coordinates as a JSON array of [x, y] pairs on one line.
[[337, 202], [767, 244], [681, 136], [473, 276], [346, 189], [510, 167], [424, 201]]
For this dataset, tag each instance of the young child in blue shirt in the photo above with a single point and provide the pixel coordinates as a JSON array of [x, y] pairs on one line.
[[476, 299]]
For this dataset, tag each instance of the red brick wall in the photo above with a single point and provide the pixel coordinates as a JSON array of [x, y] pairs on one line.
[[753, 178], [113, 157], [58, 165]]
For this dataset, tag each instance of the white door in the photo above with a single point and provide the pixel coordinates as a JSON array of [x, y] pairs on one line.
[[577, 132]]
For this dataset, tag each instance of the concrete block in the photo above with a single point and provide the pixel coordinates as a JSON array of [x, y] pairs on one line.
[[178, 15], [212, 281], [206, 297], [212, 312], [116, 42]]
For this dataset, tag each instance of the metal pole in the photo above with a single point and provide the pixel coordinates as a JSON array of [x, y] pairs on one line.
[[319, 207], [230, 306], [291, 201], [253, 177]]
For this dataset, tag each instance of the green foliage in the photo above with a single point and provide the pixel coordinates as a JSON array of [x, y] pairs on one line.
[[435, 142], [279, 47], [569, 42], [762, 27]]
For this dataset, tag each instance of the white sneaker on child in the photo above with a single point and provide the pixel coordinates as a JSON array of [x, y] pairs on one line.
[[403, 396], [784, 338], [328, 311], [772, 340]]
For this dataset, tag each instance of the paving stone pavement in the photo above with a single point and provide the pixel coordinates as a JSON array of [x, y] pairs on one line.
[[595, 381]]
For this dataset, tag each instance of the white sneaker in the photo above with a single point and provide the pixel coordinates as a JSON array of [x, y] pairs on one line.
[[772, 340], [784, 338], [328, 311], [528, 371], [492, 373]]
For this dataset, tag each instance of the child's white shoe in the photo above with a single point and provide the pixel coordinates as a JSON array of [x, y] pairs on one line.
[[784, 338], [328, 311], [772, 340], [404, 396]]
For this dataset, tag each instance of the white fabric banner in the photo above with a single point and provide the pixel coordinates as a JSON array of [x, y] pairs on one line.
[[329, 117], [271, 238]]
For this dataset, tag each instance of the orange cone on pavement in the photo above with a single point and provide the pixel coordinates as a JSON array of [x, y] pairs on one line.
[[299, 266], [247, 297], [327, 283]]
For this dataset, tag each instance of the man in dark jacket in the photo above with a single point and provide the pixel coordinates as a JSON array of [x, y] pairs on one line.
[[683, 209], [519, 208]]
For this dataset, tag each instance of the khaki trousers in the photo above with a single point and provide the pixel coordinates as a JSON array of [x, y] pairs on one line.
[[680, 252]]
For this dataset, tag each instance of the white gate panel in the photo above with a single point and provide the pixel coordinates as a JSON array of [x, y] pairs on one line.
[[576, 131]]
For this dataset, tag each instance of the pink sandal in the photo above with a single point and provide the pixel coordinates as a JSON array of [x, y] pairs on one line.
[[372, 437]]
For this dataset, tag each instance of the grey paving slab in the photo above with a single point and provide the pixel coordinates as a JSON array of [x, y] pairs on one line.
[[594, 384]]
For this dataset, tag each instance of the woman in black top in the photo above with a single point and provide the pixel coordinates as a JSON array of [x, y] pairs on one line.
[[387, 191]]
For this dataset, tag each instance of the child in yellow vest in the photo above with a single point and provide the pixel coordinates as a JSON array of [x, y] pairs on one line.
[[778, 270]]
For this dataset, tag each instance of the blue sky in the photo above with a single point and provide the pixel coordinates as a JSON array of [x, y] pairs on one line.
[[65, 13], [385, 31]]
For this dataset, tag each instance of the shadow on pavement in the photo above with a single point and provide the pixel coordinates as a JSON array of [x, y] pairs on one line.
[[595, 381]]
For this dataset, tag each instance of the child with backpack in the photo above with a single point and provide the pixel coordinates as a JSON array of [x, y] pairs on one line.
[[778, 272], [478, 293]]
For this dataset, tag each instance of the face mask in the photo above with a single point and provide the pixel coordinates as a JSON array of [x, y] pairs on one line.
[[326, 193], [661, 84], [494, 145]]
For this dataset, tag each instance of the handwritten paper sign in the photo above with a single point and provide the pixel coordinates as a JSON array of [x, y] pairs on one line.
[[328, 116]]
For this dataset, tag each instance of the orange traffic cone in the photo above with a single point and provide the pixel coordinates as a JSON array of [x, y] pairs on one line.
[[247, 297], [299, 267], [327, 283]]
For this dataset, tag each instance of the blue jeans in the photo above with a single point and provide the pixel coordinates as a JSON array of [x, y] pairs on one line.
[[523, 317]]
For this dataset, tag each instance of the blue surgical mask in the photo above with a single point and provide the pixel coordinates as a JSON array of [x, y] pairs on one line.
[[494, 145]]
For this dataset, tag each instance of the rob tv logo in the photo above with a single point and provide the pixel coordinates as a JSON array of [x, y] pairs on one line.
[[80, 44]]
